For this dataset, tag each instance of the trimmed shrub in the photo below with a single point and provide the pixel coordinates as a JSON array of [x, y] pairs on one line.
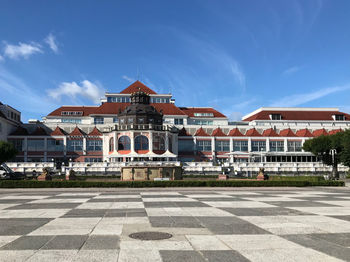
[[176, 183]]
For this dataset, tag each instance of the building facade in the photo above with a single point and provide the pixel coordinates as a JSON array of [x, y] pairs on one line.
[[10, 119], [139, 124]]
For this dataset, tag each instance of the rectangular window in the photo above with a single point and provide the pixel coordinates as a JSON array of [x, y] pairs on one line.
[[55, 145], [258, 146], [94, 145], [222, 146], [92, 160], [71, 120], [276, 146], [98, 120], [240, 146], [130, 120], [203, 114], [276, 117], [75, 145], [186, 145], [178, 121], [294, 146], [115, 119], [339, 117], [35, 145], [18, 144], [204, 145]]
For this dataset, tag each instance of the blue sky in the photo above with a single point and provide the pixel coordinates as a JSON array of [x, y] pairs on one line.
[[235, 56]]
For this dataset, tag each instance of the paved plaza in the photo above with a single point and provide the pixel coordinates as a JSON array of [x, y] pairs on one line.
[[276, 224]]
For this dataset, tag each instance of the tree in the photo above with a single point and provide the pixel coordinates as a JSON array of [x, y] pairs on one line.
[[322, 147], [7, 151]]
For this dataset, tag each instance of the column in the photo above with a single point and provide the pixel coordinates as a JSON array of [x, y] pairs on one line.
[[249, 144], [132, 144], [115, 142], [84, 145], [25, 149], [166, 140], [150, 139], [268, 145], [302, 143], [175, 148], [231, 144], [194, 145], [285, 144], [64, 146], [45, 149]]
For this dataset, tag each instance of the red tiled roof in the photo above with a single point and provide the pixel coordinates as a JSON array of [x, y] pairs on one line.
[[58, 132], [218, 132], [201, 132], [235, 132], [304, 133], [87, 110], [191, 110], [39, 131], [252, 132], [287, 133], [20, 131], [137, 86], [320, 132], [183, 132], [95, 132], [332, 132], [297, 115], [77, 132], [270, 132]]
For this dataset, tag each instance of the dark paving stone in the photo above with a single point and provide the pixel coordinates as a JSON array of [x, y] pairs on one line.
[[115, 200], [71, 197], [268, 211], [230, 225], [102, 242], [185, 222], [211, 199], [342, 239], [224, 256], [27, 242], [164, 196], [180, 256], [15, 201], [297, 204], [20, 226], [329, 248], [137, 214], [46, 206], [132, 212], [175, 204], [319, 198], [86, 213], [346, 218], [66, 242]]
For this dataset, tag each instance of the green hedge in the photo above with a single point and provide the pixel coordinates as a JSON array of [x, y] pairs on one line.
[[297, 178], [177, 183]]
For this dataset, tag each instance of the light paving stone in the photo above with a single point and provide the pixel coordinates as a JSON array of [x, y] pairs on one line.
[[15, 255], [155, 245], [59, 200], [7, 239], [160, 193], [200, 242], [87, 194], [53, 255], [24, 197], [96, 255], [207, 196], [327, 211], [139, 256], [293, 255], [267, 199], [237, 204], [168, 199], [68, 226], [116, 196], [344, 203], [33, 213], [95, 205], [126, 205], [248, 242]]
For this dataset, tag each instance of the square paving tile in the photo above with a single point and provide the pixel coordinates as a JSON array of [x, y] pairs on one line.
[[20, 226], [102, 242], [268, 211], [171, 221], [181, 256], [65, 242], [28, 243], [223, 256]]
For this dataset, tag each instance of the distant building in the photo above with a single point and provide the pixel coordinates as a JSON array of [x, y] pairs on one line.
[[10, 119], [139, 124]]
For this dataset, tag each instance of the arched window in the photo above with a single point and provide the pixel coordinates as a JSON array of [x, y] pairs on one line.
[[111, 144], [141, 143], [124, 143], [158, 143]]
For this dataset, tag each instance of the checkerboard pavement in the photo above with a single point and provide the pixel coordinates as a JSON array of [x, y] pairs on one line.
[[207, 225]]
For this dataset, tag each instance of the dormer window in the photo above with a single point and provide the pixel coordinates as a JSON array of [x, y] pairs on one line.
[[276, 117], [339, 117]]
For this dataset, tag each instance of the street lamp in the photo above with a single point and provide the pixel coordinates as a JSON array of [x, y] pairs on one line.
[[335, 174]]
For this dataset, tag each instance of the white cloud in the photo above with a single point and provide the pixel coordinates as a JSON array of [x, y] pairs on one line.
[[86, 89], [22, 50], [291, 70], [129, 79], [2, 58], [299, 99], [51, 41], [238, 73]]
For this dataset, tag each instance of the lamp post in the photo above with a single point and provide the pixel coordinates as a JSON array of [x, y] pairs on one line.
[[335, 174]]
